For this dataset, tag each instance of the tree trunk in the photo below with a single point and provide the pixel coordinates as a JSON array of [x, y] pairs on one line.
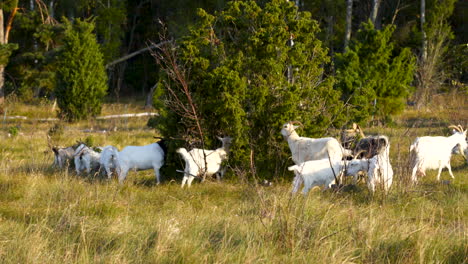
[[2, 82], [349, 14], [374, 13], [4, 32], [149, 97], [329, 39], [424, 38], [2, 67]]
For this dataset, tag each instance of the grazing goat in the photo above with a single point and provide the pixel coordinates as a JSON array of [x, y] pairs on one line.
[[370, 146], [108, 159], [323, 172], [140, 158], [63, 156], [378, 167], [202, 162], [456, 150], [364, 147], [435, 152], [304, 149], [86, 159]]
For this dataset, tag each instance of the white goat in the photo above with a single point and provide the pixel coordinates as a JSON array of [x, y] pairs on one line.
[[86, 159], [380, 171], [196, 165], [304, 149], [323, 172], [435, 152], [140, 158], [108, 159]]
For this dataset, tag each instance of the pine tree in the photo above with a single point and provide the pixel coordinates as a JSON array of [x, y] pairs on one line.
[[374, 77], [250, 70], [81, 77]]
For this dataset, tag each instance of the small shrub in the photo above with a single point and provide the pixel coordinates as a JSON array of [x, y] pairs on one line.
[[13, 131], [89, 141]]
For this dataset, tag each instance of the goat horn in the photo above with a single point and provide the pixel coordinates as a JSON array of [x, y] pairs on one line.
[[357, 154], [360, 131], [49, 143], [458, 128], [296, 122]]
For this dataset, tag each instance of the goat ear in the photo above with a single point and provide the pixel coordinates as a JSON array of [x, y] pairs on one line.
[[382, 141], [295, 127], [220, 138], [292, 168]]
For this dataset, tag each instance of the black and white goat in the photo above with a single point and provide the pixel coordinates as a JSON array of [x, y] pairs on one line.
[[63, 156], [202, 162], [363, 146]]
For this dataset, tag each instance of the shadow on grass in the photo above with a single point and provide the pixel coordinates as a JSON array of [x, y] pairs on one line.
[[459, 254], [393, 251], [422, 122]]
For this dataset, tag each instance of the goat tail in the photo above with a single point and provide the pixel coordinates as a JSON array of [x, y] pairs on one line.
[[183, 152]]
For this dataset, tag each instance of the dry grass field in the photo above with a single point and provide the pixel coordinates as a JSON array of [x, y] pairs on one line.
[[52, 216]]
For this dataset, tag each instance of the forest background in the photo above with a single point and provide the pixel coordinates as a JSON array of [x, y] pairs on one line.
[[32, 34]]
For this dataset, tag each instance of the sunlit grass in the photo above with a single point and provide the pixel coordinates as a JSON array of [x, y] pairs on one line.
[[49, 216]]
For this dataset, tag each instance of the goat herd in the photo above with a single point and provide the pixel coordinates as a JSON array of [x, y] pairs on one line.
[[318, 161]]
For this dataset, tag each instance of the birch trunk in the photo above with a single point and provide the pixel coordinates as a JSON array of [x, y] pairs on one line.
[[374, 13], [349, 14], [2, 67], [424, 38]]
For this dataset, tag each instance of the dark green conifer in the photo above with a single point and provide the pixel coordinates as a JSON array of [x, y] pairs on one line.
[[373, 76], [247, 79], [81, 77]]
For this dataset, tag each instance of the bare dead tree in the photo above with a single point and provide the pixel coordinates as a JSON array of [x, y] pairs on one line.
[[433, 58], [179, 99], [398, 8]]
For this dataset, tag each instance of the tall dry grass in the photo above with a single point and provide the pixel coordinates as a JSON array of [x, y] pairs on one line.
[[50, 216]]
